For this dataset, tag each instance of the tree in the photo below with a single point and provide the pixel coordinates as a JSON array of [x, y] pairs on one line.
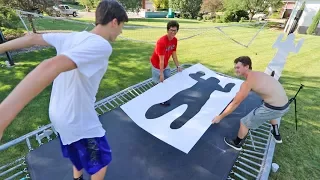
[[312, 28], [187, 8], [253, 6], [164, 4], [211, 5], [89, 4], [131, 5], [30, 6]]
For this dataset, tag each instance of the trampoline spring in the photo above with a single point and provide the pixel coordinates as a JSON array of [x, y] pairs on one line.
[[114, 100], [247, 172], [249, 161], [265, 127], [128, 96], [121, 96], [144, 88], [253, 157], [11, 169], [139, 91], [247, 166], [105, 107], [29, 144], [111, 104], [12, 163], [266, 131], [255, 147], [239, 176], [38, 139], [15, 175], [132, 93], [257, 137], [257, 142], [124, 97], [266, 135], [253, 152], [149, 85]]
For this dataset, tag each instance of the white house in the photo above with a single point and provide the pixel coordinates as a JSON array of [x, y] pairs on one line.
[[311, 9]]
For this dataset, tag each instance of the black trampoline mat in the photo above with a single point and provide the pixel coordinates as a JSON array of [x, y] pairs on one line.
[[138, 155]]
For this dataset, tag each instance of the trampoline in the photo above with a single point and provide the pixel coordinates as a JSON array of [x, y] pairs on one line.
[[138, 155]]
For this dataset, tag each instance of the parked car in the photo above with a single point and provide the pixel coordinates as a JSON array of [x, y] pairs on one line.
[[260, 16], [66, 10]]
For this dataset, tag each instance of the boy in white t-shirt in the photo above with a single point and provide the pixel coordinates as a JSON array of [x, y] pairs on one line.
[[81, 61]]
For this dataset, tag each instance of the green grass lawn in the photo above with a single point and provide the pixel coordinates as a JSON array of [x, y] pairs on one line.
[[299, 154]]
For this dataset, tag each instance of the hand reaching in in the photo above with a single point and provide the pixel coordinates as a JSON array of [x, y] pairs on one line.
[[217, 119]]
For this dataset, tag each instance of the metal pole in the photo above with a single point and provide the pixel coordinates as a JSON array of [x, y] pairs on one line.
[[2, 40]]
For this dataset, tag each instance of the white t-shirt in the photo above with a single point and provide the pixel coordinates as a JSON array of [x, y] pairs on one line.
[[73, 95]]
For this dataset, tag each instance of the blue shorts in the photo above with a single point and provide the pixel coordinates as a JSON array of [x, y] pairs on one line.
[[91, 154], [156, 74]]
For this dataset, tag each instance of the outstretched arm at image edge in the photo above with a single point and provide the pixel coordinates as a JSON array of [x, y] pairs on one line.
[[33, 84], [23, 42]]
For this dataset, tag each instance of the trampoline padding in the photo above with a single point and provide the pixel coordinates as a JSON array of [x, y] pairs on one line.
[[138, 155]]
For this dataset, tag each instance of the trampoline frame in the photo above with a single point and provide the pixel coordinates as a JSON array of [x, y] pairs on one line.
[[253, 162]]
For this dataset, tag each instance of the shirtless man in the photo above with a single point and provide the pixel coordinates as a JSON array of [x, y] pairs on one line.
[[275, 103]]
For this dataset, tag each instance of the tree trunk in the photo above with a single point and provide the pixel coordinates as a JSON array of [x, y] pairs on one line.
[[87, 8], [251, 14], [30, 19]]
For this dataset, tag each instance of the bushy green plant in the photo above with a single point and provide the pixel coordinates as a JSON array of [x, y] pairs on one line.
[[241, 14], [8, 18], [10, 34], [242, 19], [312, 28]]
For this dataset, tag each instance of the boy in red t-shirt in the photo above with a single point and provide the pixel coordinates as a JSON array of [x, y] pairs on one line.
[[165, 48]]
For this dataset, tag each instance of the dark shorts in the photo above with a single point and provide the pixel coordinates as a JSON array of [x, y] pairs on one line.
[[91, 154]]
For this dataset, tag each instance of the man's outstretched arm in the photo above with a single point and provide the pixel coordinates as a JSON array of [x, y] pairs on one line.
[[240, 96], [31, 86], [23, 42]]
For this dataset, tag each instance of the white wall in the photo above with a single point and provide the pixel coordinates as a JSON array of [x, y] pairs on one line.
[[311, 9]]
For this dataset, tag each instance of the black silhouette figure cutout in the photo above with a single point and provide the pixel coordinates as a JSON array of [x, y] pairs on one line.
[[195, 97]]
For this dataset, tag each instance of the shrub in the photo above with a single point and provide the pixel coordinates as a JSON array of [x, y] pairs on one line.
[[207, 17], [218, 20], [241, 14], [228, 16], [10, 34], [242, 19], [8, 18], [312, 28]]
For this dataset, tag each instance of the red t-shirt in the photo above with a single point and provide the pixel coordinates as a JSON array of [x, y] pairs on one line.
[[163, 47]]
